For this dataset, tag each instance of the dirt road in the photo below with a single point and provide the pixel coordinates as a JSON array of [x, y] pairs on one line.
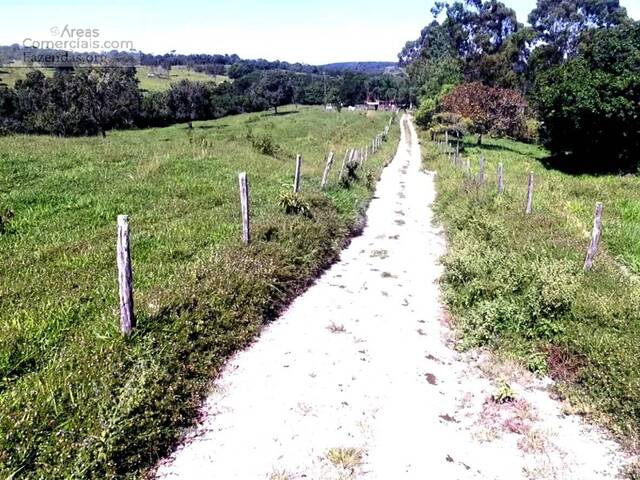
[[359, 378]]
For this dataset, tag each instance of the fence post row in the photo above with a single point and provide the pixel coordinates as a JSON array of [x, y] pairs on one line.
[[296, 180], [529, 207], [244, 207], [596, 235], [125, 276]]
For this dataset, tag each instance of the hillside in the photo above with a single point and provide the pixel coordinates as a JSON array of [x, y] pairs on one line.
[[363, 67]]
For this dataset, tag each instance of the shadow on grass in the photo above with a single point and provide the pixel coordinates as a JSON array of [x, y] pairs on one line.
[[577, 165], [498, 148], [281, 114], [212, 127]]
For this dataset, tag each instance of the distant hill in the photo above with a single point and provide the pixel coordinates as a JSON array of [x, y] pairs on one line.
[[364, 67]]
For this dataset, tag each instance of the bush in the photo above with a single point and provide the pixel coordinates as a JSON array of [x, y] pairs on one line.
[[6, 215], [590, 105], [425, 112], [265, 144], [292, 204]]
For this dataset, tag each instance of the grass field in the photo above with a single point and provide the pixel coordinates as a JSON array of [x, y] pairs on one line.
[[9, 76], [175, 75], [78, 400], [515, 282]]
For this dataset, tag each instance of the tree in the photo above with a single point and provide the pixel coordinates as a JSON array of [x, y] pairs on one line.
[[560, 23], [111, 97], [353, 89], [188, 101], [495, 110], [477, 41], [590, 105], [275, 88], [477, 27]]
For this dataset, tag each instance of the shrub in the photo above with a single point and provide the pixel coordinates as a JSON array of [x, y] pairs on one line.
[[6, 215], [265, 144], [292, 204], [425, 112]]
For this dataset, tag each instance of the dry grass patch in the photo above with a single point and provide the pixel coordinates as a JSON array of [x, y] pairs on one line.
[[335, 328], [346, 458]]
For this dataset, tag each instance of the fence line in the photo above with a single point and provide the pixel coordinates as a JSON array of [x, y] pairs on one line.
[[446, 148]]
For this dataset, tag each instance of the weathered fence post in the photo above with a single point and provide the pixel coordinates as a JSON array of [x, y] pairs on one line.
[[347, 156], [125, 277], [500, 178], [296, 180], [244, 207], [529, 208], [596, 235], [327, 169], [469, 167], [481, 173], [446, 137]]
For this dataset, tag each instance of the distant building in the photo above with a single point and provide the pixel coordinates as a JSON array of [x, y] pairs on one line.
[[372, 104]]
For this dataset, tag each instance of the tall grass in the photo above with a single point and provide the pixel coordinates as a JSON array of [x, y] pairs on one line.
[[77, 399], [514, 282]]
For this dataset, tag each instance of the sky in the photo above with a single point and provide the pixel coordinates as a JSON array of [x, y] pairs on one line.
[[307, 31]]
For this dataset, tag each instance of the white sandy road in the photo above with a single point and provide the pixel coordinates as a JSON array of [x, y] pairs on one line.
[[390, 384]]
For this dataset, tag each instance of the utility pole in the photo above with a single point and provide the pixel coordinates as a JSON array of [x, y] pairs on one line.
[[324, 77]]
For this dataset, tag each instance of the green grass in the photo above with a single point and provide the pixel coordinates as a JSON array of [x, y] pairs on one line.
[[515, 282], [77, 399], [9, 76], [176, 74]]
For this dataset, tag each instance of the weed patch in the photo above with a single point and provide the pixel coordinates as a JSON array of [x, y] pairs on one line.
[[515, 282]]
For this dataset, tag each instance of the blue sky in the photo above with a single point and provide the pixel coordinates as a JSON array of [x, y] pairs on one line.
[[307, 31]]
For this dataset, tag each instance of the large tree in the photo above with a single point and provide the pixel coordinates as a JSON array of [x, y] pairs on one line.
[[111, 96], [590, 105], [560, 23], [188, 101], [477, 27], [275, 88]]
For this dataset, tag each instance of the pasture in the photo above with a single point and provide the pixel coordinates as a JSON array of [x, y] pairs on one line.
[[10, 75]]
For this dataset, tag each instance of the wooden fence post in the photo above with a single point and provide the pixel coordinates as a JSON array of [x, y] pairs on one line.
[[596, 235], [296, 180], [446, 137], [327, 169], [125, 277], [481, 174], [244, 207], [500, 178], [529, 208], [347, 156]]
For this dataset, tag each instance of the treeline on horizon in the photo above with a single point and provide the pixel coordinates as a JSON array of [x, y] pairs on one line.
[[570, 79], [92, 101]]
